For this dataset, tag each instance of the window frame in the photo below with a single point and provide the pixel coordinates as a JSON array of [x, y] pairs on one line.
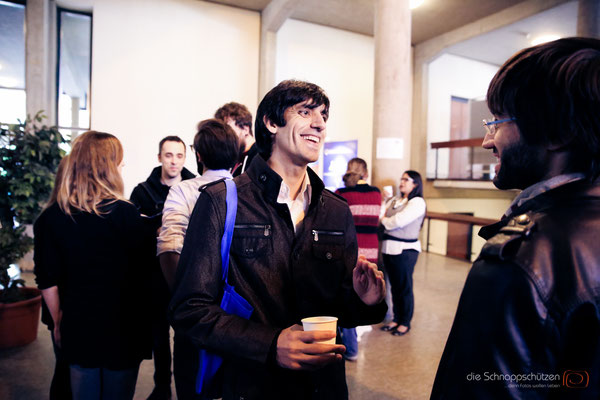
[[59, 11]]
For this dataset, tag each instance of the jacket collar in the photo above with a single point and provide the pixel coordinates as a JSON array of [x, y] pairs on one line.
[[540, 188], [155, 175], [186, 174], [567, 189], [270, 182], [214, 174]]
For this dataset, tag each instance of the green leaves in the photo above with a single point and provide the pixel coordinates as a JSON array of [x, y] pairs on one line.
[[29, 157]]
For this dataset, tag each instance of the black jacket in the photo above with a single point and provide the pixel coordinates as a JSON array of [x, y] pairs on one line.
[[100, 266], [528, 321], [284, 276], [149, 196]]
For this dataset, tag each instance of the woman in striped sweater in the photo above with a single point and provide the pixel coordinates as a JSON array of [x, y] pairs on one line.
[[365, 204]]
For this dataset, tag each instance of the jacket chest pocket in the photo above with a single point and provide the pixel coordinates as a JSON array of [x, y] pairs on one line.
[[328, 245], [252, 240]]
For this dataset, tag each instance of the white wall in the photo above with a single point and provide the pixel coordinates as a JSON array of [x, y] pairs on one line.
[[340, 62], [159, 67], [450, 75]]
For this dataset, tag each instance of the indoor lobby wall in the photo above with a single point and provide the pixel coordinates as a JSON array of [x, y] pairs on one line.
[[159, 67], [451, 75], [339, 61]]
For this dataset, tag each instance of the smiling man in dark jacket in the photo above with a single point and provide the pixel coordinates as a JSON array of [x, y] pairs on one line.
[[293, 255], [528, 321]]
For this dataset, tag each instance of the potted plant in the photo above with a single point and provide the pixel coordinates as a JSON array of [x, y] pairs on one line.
[[29, 156]]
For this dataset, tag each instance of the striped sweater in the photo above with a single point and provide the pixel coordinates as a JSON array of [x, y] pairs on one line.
[[365, 205]]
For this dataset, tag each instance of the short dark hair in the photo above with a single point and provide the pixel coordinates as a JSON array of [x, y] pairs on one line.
[[553, 92], [280, 98], [217, 144], [170, 139], [236, 111], [418, 189]]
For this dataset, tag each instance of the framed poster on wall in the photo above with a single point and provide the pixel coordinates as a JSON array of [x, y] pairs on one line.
[[335, 160]]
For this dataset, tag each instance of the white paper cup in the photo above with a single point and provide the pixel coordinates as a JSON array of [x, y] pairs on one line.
[[321, 324], [388, 191]]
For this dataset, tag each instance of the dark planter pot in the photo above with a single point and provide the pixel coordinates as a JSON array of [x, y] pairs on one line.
[[19, 321]]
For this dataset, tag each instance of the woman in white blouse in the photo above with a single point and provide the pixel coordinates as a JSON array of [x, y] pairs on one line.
[[400, 247]]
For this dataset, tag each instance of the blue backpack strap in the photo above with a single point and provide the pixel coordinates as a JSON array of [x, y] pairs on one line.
[[231, 201]]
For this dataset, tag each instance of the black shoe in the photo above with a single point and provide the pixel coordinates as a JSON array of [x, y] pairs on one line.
[[396, 332], [160, 393], [388, 328]]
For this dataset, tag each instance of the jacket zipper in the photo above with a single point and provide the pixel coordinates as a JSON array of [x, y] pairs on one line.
[[316, 234], [267, 228]]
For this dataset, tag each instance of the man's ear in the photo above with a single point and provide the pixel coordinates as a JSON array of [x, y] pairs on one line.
[[270, 125], [198, 158], [158, 157]]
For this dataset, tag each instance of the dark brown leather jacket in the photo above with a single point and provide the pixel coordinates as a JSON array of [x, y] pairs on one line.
[[285, 276], [528, 321]]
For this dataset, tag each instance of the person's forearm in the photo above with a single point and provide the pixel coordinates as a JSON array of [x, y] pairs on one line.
[[410, 213], [168, 264], [53, 302]]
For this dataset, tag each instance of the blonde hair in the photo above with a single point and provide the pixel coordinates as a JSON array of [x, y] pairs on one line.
[[91, 173], [57, 180]]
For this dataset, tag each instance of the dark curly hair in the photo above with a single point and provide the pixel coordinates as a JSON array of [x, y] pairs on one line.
[[217, 144], [237, 112]]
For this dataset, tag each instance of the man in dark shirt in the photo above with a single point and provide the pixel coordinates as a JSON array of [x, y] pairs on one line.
[[238, 117], [149, 197]]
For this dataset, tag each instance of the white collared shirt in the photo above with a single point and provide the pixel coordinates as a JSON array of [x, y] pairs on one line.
[[299, 206]]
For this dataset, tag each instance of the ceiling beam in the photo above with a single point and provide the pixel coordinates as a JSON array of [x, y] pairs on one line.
[[272, 18], [275, 14]]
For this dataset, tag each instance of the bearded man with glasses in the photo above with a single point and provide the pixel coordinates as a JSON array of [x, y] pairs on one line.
[[528, 320]]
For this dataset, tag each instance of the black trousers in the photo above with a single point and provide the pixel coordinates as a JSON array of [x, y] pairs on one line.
[[60, 388], [161, 340], [400, 270]]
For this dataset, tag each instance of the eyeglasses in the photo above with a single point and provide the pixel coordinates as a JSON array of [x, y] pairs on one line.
[[490, 126], [191, 147]]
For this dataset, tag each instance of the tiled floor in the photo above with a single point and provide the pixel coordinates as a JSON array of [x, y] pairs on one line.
[[388, 368]]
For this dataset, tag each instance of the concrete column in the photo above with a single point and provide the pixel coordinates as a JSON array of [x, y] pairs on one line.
[[75, 111], [393, 89], [588, 18], [268, 54], [271, 19], [39, 53]]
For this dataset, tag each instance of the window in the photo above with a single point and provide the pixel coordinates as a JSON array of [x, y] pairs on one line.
[[74, 71], [12, 62]]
